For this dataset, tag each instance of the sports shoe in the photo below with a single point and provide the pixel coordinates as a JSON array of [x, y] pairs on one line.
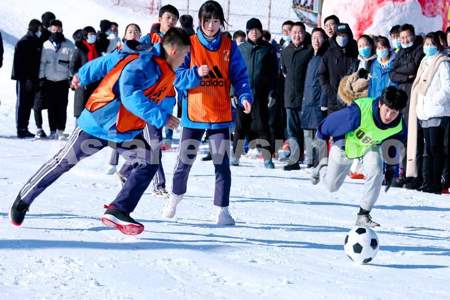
[[224, 218], [268, 164], [52, 135], [121, 221], [291, 167], [111, 170], [40, 134], [61, 135], [24, 134], [207, 157], [170, 208], [234, 161], [365, 220], [18, 211], [160, 192]]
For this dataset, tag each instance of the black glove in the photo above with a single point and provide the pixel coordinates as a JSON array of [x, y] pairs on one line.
[[389, 176]]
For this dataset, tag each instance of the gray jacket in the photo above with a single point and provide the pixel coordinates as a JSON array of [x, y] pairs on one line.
[[55, 64]]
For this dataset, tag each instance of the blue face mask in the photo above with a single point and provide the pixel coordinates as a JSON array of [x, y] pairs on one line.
[[91, 39], [404, 46], [287, 38], [383, 53], [365, 52], [396, 44], [430, 50]]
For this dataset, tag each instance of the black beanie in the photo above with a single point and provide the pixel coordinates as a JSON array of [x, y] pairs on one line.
[[47, 18], [34, 25], [254, 23], [105, 25]]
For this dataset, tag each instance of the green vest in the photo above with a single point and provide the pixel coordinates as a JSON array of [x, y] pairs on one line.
[[360, 140]]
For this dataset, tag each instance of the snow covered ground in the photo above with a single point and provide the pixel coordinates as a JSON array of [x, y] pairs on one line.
[[287, 244]]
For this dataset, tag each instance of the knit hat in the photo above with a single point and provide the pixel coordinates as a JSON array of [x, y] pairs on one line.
[[254, 23], [34, 25]]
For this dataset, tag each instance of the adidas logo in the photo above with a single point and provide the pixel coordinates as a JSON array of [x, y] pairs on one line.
[[214, 78]]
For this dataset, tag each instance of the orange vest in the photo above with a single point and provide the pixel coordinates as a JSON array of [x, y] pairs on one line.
[[210, 102], [155, 37], [104, 94]]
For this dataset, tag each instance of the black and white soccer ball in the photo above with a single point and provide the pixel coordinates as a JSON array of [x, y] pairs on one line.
[[361, 245]]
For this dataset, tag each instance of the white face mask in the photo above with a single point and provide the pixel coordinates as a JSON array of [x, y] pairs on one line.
[[112, 36], [38, 34]]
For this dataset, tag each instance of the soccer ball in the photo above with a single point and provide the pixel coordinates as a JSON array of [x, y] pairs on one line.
[[361, 245]]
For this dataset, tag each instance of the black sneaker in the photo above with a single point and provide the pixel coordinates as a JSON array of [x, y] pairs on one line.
[[208, 157], [292, 167], [24, 134], [121, 221], [18, 211], [40, 134]]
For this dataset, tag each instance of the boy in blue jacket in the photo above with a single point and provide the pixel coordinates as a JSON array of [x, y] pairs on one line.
[[132, 94], [358, 132]]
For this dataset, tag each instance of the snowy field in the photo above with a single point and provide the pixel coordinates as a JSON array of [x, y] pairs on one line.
[[287, 243]]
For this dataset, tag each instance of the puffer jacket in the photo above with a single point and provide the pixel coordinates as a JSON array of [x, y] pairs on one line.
[[55, 63]]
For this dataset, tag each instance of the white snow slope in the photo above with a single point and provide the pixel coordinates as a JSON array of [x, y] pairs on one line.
[[287, 244]]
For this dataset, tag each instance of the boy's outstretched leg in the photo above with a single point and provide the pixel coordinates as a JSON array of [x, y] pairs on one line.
[[79, 146]]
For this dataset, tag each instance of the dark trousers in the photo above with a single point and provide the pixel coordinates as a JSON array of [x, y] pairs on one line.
[[81, 145], [57, 93], [26, 92], [295, 135], [153, 136], [434, 158], [259, 139], [219, 144]]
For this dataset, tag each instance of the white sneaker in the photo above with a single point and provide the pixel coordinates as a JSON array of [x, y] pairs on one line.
[[170, 208], [224, 218], [61, 135], [111, 170]]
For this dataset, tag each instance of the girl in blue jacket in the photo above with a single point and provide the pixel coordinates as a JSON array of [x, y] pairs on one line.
[[205, 79]]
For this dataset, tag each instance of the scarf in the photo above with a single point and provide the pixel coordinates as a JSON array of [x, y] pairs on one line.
[[92, 50]]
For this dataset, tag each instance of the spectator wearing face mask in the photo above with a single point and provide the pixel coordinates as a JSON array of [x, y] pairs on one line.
[[113, 37], [54, 77], [336, 63], [46, 19], [430, 107], [27, 57], [102, 36], [394, 33], [86, 50]]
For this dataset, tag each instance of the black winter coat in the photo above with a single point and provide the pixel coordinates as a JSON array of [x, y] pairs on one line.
[[294, 63], [82, 94], [336, 63], [27, 58], [405, 66], [261, 62]]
